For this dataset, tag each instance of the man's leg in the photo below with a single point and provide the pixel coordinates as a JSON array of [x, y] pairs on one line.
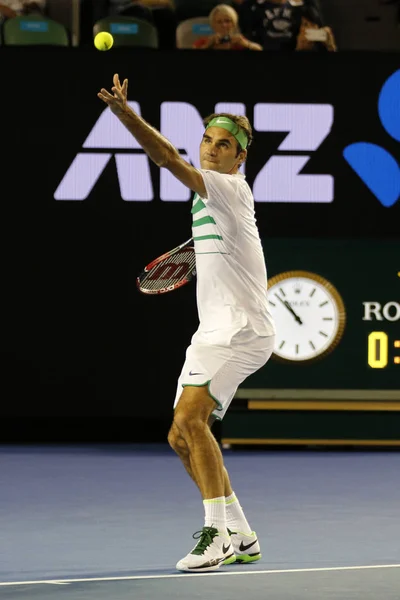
[[190, 436], [244, 540], [227, 483], [179, 445], [236, 519], [201, 456]]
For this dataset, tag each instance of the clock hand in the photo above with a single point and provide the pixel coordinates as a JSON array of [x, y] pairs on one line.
[[290, 309], [296, 316]]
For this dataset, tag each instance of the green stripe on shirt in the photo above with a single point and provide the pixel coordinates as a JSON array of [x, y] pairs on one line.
[[207, 237], [198, 206], [203, 221]]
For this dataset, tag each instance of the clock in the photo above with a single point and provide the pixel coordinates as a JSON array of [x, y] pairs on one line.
[[309, 316]]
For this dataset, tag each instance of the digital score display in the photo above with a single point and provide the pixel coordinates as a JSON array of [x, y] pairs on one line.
[[379, 350], [336, 306]]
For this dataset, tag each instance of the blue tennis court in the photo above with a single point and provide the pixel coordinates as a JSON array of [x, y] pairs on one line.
[[86, 522]]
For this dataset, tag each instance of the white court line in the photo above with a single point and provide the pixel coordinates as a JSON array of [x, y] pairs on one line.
[[208, 574]]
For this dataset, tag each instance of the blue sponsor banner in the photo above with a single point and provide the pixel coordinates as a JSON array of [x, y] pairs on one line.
[[202, 29], [124, 28], [35, 26]]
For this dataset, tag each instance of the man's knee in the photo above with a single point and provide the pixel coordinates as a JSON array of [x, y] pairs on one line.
[[173, 437], [176, 440], [193, 410], [188, 424]]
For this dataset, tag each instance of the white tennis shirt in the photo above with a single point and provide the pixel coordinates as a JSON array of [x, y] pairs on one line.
[[231, 271]]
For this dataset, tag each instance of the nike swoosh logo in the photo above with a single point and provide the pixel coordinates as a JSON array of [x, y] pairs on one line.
[[225, 548], [194, 373], [243, 548], [211, 563]]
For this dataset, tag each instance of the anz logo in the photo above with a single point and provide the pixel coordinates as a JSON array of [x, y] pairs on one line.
[[375, 166], [279, 180]]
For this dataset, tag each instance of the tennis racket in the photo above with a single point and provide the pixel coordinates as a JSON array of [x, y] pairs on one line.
[[169, 271]]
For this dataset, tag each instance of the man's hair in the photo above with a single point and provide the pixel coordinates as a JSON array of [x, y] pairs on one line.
[[240, 121]]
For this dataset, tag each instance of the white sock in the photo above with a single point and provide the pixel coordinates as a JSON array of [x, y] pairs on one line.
[[215, 514], [235, 519]]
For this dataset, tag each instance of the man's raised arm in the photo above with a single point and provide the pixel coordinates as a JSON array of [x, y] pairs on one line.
[[156, 146]]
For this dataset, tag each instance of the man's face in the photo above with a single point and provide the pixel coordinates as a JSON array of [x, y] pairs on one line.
[[218, 151]]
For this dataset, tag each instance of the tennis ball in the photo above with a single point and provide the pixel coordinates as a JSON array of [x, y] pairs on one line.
[[103, 40]]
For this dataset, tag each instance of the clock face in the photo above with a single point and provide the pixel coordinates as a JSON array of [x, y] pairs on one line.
[[309, 315]]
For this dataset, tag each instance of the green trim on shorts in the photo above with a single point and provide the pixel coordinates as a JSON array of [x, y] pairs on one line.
[[207, 383]]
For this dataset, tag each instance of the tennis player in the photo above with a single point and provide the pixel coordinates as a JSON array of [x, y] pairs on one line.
[[235, 336]]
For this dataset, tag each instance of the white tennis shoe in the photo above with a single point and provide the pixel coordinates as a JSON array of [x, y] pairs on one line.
[[245, 546], [211, 551]]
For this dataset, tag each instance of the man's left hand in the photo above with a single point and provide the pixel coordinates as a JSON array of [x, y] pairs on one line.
[[117, 102]]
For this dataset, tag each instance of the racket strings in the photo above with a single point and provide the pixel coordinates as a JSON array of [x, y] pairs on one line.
[[170, 271]]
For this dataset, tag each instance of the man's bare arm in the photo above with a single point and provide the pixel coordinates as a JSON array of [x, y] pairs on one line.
[[161, 151], [156, 146]]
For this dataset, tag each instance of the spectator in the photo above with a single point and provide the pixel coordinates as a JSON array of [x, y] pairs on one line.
[[311, 35], [13, 8], [159, 13], [130, 8], [224, 22], [122, 5], [284, 25]]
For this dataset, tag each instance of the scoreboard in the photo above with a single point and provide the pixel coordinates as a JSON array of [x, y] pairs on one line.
[[336, 305], [334, 376]]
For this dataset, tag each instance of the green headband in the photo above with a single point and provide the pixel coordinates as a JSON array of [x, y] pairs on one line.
[[232, 127]]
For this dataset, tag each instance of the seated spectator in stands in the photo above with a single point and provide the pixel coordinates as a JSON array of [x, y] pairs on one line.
[[123, 4], [160, 13], [134, 7], [224, 22], [13, 8], [129, 8], [311, 35], [284, 25]]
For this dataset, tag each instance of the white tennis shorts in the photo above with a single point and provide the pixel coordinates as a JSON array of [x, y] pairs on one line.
[[223, 363]]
